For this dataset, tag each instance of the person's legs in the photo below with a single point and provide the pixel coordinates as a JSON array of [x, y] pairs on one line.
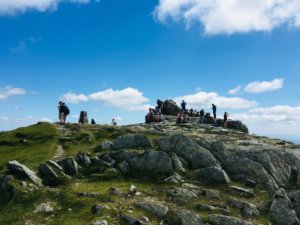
[[61, 118]]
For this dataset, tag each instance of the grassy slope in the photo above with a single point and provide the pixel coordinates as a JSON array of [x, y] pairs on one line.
[[41, 143]]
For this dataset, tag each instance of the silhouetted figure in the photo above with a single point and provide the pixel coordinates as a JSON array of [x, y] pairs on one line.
[[183, 106], [63, 112], [225, 119], [93, 122], [202, 116], [214, 108], [160, 105]]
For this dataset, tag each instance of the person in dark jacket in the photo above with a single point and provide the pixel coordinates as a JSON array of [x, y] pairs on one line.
[[214, 109], [225, 119], [183, 106], [63, 112]]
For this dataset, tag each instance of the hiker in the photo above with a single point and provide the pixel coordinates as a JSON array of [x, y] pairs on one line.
[[183, 106], [93, 122], [214, 108], [113, 122], [225, 119], [202, 116], [63, 112], [179, 118], [160, 105]]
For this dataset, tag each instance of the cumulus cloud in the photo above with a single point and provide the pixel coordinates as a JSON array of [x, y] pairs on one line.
[[264, 86], [11, 7], [235, 90], [48, 120], [205, 99], [9, 91], [231, 16], [279, 120], [128, 99], [74, 98]]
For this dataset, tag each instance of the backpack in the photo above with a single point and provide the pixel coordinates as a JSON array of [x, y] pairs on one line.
[[67, 110]]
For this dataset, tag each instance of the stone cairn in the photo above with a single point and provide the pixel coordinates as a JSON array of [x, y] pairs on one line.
[[83, 117]]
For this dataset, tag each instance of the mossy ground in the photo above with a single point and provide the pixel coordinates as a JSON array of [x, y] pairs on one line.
[[40, 145]]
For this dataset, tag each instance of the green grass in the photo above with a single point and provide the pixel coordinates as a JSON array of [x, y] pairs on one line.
[[31, 145]]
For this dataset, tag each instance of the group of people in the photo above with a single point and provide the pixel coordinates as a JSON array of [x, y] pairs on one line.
[[64, 111], [204, 118]]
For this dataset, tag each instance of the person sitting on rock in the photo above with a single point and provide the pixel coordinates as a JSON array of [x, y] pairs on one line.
[[183, 106], [191, 112], [93, 122], [225, 119], [202, 116], [179, 118]]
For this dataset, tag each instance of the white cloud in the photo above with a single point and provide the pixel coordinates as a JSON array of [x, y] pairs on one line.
[[20, 47], [264, 86], [3, 118], [275, 120], [46, 120], [235, 90], [127, 99], [11, 7], [74, 98], [231, 16], [9, 91], [205, 99]]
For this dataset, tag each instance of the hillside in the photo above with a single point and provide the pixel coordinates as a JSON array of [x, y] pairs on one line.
[[162, 173]]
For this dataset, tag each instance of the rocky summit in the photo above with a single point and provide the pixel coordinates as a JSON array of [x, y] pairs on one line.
[[156, 173]]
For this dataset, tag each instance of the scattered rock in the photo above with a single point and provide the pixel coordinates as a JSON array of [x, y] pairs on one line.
[[176, 178], [189, 217], [131, 141], [8, 189], [100, 222], [250, 183], [69, 166], [83, 159], [228, 220], [181, 193], [45, 207], [116, 191], [204, 207], [249, 193], [155, 208], [212, 174], [125, 219], [23, 172], [106, 145], [212, 194], [247, 210], [97, 208], [87, 194]]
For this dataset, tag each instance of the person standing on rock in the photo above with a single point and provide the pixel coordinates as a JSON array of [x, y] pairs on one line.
[[214, 109], [183, 106], [63, 112], [225, 119], [159, 105]]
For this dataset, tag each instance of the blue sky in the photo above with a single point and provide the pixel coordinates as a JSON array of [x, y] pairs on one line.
[[115, 58]]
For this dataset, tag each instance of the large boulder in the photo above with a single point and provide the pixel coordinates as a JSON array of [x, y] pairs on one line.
[[281, 209], [83, 159], [271, 161], [22, 172], [212, 174], [247, 209], [8, 189], [294, 196], [52, 174], [131, 141], [69, 166], [233, 124], [170, 108], [243, 168], [150, 161], [197, 156]]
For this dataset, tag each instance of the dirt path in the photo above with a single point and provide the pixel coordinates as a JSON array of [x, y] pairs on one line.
[[63, 133]]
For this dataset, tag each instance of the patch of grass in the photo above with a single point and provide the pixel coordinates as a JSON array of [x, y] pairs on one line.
[[30, 145]]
